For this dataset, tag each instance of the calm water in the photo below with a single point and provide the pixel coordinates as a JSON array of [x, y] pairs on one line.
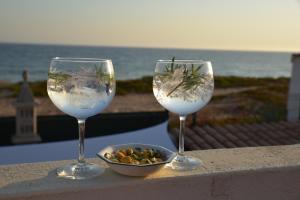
[[130, 63]]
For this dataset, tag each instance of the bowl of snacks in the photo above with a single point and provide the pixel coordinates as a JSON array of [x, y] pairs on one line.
[[136, 159]]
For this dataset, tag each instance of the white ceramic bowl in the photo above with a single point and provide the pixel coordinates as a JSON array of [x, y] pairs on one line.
[[136, 170]]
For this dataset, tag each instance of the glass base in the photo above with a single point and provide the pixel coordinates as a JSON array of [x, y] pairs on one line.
[[79, 171], [185, 163]]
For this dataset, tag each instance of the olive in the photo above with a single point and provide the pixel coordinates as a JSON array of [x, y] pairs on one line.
[[129, 151], [135, 157], [120, 155], [145, 161], [148, 153], [136, 162], [138, 153], [127, 159], [123, 151]]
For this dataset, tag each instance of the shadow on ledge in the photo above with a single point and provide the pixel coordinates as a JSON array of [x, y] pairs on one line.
[[63, 127]]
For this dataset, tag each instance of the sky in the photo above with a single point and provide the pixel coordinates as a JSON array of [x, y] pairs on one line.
[[266, 25]]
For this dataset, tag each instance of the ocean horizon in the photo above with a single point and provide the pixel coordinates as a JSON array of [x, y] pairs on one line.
[[136, 62]]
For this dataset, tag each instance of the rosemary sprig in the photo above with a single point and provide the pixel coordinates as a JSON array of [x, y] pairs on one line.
[[59, 77], [191, 78], [105, 78], [175, 88]]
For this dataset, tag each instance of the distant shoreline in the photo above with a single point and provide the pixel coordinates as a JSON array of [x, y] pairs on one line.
[[149, 47]]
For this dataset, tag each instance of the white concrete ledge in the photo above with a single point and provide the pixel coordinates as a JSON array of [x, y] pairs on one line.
[[266, 173]]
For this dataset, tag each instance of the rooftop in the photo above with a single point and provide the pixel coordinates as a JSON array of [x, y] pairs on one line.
[[240, 135]]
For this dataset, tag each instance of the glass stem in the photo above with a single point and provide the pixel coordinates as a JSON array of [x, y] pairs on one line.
[[181, 135], [81, 126]]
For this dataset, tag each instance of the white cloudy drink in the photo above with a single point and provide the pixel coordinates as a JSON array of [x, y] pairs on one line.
[[182, 101], [80, 99]]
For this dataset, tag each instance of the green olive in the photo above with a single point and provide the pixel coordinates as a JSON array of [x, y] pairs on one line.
[[145, 161], [129, 151], [120, 154], [127, 159], [135, 157]]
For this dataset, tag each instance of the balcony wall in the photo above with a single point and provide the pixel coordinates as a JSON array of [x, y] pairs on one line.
[[263, 173]]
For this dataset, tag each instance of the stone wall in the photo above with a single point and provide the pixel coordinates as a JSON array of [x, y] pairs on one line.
[[263, 173]]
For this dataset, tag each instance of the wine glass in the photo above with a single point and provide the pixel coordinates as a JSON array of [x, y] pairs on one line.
[[81, 87], [183, 87]]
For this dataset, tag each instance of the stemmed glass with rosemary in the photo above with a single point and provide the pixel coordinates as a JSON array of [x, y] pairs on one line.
[[81, 87], [183, 87]]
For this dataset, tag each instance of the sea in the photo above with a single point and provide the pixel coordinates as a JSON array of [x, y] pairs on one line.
[[134, 63]]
